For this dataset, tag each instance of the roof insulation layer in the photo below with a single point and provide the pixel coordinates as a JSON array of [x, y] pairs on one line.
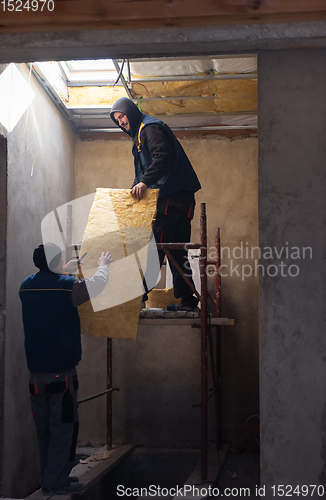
[[226, 96], [186, 93], [192, 106], [220, 96], [90, 96]]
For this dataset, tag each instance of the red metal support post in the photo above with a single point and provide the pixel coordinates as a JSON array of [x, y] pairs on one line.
[[204, 313], [217, 270], [109, 394], [218, 337], [69, 222]]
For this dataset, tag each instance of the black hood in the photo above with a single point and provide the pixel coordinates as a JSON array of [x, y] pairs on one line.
[[128, 108], [47, 257]]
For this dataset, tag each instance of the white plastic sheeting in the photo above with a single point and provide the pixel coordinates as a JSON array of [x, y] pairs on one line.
[[183, 67], [239, 120]]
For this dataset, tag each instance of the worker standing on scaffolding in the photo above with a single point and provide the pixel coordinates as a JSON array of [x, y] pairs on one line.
[[160, 162], [53, 349]]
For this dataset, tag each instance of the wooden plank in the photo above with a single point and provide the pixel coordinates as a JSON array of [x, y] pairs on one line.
[[184, 321], [122, 14], [91, 472]]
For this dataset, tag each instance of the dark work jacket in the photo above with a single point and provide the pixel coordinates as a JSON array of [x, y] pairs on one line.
[[51, 323], [180, 175]]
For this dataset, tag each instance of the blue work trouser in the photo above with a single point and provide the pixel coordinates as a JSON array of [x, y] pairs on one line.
[[54, 407]]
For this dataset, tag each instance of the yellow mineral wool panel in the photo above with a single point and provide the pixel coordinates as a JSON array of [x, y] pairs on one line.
[[94, 96], [192, 106], [120, 224], [161, 297], [224, 89]]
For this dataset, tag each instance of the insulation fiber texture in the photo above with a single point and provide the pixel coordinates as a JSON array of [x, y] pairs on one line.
[[120, 224], [161, 297], [226, 96]]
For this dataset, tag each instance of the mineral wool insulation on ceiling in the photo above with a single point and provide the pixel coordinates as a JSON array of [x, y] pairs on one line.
[[185, 93]]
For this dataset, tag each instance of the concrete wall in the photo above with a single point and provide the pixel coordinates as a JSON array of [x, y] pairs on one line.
[[159, 376], [47, 141], [292, 206], [3, 262], [3, 225]]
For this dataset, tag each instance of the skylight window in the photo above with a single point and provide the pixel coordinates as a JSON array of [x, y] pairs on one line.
[[91, 65], [98, 71]]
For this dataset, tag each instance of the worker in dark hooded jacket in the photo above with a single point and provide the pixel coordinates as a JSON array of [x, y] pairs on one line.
[[53, 349], [160, 162]]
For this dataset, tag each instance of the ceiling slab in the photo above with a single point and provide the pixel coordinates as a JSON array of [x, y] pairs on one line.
[[160, 42]]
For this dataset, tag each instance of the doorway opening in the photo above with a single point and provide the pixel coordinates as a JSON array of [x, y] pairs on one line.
[[213, 114]]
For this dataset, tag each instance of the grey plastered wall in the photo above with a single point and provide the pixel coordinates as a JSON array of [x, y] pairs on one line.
[[3, 261], [159, 375], [292, 212], [3, 230], [43, 138]]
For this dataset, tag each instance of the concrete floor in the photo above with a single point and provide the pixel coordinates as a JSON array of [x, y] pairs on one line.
[[143, 468], [236, 472], [239, 472]]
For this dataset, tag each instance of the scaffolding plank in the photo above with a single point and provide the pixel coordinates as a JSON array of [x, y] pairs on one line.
[[93, 470]]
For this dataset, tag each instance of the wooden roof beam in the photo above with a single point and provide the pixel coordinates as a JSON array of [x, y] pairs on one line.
[[77, 15]]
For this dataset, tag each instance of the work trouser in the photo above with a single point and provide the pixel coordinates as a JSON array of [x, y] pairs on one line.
[[54, 407], [172, 224]]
